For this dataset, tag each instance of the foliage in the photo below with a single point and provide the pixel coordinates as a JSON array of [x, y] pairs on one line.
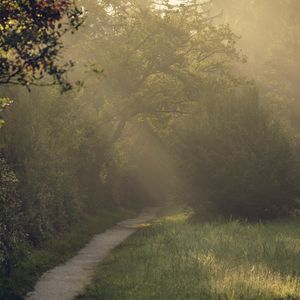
[[174, 259], [11, 232], [30, 39], [240, 163], [4, 103], [57, 162], [155, 60], [30, 44]]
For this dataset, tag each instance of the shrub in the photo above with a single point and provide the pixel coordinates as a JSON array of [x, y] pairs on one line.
[[11, 235], [240, 160]]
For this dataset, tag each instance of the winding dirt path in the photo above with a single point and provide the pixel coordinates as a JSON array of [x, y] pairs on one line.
[[66, 281]]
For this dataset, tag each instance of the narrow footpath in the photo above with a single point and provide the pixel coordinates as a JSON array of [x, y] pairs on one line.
[[66, 281]]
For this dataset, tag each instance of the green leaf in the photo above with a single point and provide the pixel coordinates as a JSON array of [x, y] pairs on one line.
[[4, 103]]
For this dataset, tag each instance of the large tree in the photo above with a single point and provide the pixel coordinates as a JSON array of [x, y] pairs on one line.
[[157, 58]]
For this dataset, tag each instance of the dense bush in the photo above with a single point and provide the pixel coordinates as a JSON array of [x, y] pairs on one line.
[[55, 155], [11, 233], [58, 155], [240, 160]]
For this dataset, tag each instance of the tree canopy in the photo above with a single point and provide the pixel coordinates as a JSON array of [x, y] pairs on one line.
[[30, 40]]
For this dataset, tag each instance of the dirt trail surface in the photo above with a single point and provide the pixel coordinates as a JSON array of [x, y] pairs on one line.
[[66, 281]]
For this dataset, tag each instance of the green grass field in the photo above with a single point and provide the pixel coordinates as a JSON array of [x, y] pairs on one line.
[[173, 259]]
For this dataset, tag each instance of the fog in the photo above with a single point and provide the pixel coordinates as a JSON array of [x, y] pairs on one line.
[[269, 36], [117, 105]]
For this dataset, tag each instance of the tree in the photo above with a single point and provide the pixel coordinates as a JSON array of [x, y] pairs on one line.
[[237, 160], [30, 40], [157, 58]]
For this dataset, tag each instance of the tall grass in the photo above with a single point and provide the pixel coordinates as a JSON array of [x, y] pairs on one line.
[[173, 259]]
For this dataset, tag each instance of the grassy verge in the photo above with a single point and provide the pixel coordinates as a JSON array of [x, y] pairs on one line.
[[173, 259], [59, 250]]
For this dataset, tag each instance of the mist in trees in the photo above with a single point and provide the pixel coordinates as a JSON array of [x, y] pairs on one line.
[[146, 103]]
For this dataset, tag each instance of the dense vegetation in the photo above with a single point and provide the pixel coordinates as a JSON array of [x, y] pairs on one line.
[[174, 259], [145, 103], [248, 160]]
